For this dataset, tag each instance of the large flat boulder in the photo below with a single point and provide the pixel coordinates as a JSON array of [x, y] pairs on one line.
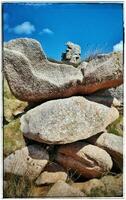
[[28, 162], [86, 159], [66, 120], [33, 78], [113, 144]]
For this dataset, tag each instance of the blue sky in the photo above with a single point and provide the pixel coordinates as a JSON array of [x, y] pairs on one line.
[[95, 27]]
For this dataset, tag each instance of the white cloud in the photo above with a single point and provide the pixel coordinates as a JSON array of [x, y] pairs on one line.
[[118, 47], [47, 31], [24, 28]]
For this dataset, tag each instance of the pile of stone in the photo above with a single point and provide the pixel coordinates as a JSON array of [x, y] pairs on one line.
[[76, 125], [72, 54]]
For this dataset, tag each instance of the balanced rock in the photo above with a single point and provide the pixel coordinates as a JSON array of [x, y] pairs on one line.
[[33, 78], [72, 54], [62, 189], [86, 159], [113, 144], [28, 162], [66, 120]]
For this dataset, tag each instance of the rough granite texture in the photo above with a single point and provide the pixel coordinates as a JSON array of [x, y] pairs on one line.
[[50, 177], [28, 161], [72, 54], [66, 120], [62, 189], [86, 159], [111, 96], [32, 77], [113, 144]]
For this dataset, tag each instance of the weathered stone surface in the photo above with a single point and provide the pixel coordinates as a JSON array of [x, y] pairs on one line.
[[86, 159], [89, 186], [28, 162], [113, 144], [13, 137], [111, 96], [50, 177], [66, 120], [117, 92], [52, 173], [62, 189], [32, 77], [72, 54], [95, 57], [103, 73]]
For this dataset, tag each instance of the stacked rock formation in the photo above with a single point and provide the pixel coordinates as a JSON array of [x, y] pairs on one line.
[[72, 54], [76, 123], [33, 78]]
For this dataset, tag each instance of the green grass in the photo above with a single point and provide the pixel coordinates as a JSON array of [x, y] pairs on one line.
[[17, 187], [13, 137], [115, 126], [7, 92], [21, 187]]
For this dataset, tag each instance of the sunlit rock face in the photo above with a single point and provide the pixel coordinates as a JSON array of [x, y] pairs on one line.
[[113, 144], [28, 161], [66, 120], [31, 77], [88, 160]]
